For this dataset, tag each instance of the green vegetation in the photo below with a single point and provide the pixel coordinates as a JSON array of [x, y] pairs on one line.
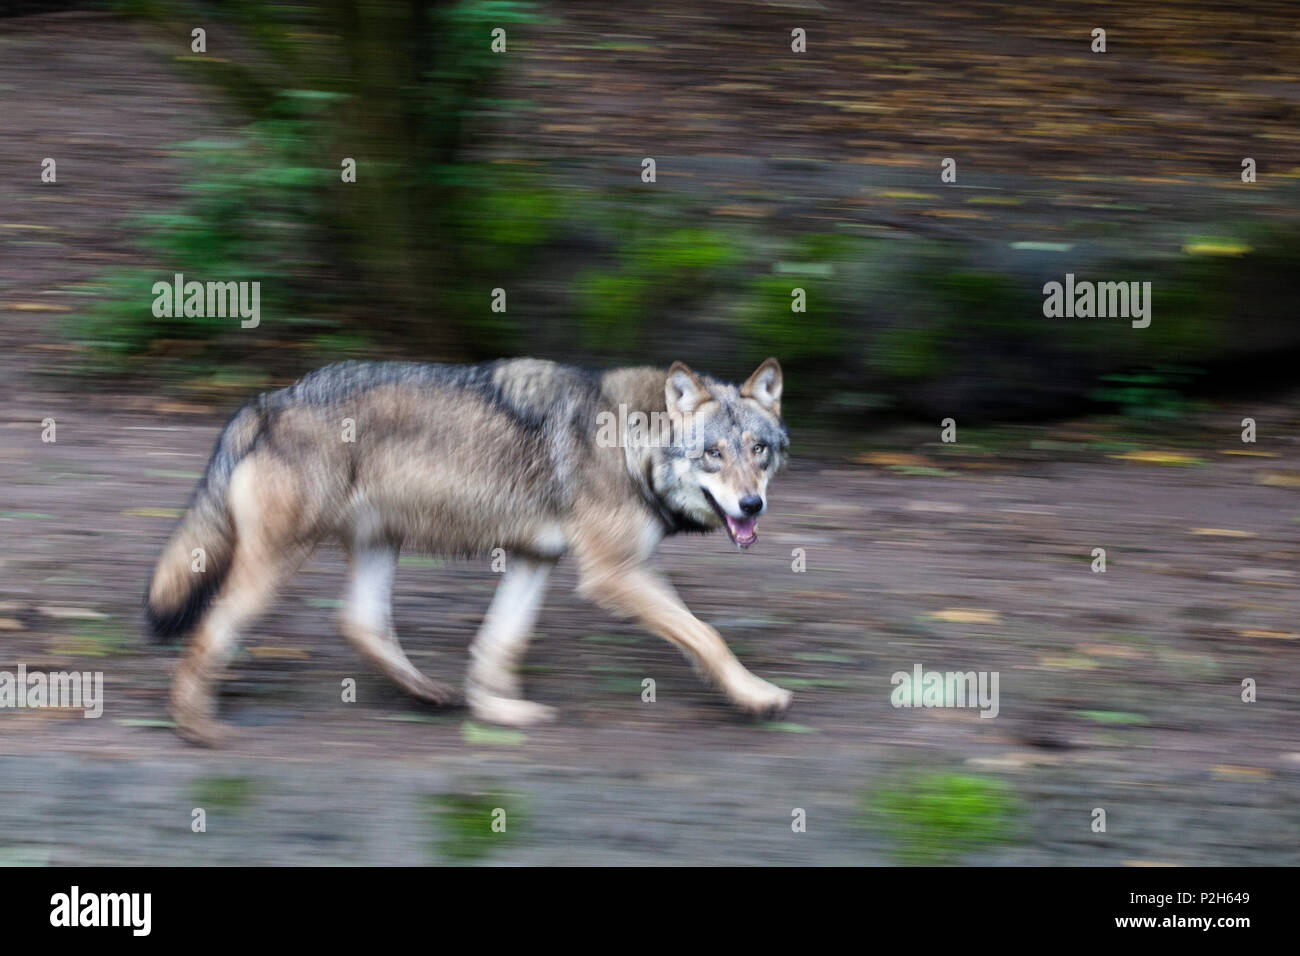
[[223, 794], [938, 817], [654, 271], [768, 324], [465, 827], [407, 98], [1157, 394], [405, 260]]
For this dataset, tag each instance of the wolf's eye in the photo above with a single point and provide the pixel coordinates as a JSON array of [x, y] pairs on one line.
[[759, 449], [714, 453]]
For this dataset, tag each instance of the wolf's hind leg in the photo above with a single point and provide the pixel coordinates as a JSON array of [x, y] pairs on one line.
[[492, 686], [256, 573], [367, 623], [265, 509]]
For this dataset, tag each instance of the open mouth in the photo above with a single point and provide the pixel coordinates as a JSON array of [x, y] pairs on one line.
[[742, 531]]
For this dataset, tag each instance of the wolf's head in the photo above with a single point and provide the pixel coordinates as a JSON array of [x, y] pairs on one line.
[[728, 442]]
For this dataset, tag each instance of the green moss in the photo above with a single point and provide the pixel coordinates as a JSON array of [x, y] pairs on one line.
[[772, 328], [517, 219], [462, 824], [680, 253], [230, 794], [611, 308], [768, 322], [1155, 394], [938, 817], [910, 353], [653, 272]]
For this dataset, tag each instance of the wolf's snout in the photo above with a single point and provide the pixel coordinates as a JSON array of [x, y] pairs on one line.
[[751, 505]]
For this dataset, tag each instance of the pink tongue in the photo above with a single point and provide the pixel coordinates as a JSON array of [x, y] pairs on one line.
[[742, 529]]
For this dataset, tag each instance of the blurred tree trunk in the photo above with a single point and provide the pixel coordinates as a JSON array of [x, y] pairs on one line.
[[406, 78], [396, 230]]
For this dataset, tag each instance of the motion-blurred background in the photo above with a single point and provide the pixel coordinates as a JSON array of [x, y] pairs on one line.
[[522, 170]]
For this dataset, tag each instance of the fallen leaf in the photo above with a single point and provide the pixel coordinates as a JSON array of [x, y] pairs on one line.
[[1111, 650], [1110, 717], [1215, 249], [1043, 246], [1159, 458], [1061, 662], [966, 615], [741, 210], [1278, 635], [473, 733], [1148, 863], [1279, 479], [279, 653], [885, 459], [1014, 761], [72, 613], [922, 472], [33, 307], [1230, 772], [785, 727]]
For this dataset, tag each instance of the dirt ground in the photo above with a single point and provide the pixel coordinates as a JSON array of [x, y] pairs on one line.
[[1119, 690]]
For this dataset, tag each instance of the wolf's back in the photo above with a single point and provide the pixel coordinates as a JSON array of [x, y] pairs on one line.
[[179, 591]]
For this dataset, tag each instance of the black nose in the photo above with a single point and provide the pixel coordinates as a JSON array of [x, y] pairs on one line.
[[751, 504]]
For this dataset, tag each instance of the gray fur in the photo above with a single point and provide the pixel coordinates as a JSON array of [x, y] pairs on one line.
[[462, 461]]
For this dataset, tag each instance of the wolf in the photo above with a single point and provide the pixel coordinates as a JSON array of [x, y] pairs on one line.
[[536, 458]]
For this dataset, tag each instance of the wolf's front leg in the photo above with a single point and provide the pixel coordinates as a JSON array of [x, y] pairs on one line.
[[638, 592], [367, 623], [492, 686]]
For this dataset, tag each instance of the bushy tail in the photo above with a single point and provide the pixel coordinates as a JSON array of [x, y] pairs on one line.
[[197, 558]]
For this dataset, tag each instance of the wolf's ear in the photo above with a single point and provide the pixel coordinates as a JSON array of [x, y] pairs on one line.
[[683, 391], [764, 386]]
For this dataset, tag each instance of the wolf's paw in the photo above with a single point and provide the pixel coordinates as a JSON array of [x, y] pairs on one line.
[[436, 693], [201, 732], [194, 713], [762, 699], [510, 711]]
